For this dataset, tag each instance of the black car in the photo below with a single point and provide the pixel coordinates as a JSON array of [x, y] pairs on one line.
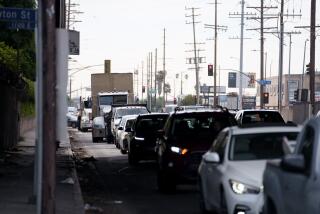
[[248, 116], [143, 141], [185, 138]]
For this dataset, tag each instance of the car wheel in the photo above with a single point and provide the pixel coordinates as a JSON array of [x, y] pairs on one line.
[[132, 159], [165, 183], [123, 151], [223, 203]]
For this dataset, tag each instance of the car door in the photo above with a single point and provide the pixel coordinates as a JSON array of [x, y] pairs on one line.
[[214, 171], [298, 186]]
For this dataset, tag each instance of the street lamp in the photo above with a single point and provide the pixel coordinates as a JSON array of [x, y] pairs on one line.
[[78, 70]]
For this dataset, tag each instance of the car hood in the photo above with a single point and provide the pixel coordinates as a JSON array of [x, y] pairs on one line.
[[248, 172]]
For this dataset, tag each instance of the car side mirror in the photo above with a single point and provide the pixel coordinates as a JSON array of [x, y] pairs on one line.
[[293, 163], [211, 157], [128, 130], [120, 128], [160, 133]]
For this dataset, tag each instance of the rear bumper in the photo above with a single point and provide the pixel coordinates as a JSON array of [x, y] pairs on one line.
[[98, 132]]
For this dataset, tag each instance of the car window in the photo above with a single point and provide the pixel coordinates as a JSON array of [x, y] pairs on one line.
[[307, 146], [262, 116], [130, 123], [148, 126], [258, 146], [219, 144], [130, 111]]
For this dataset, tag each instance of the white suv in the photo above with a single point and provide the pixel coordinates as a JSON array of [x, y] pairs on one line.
[[230, 173]]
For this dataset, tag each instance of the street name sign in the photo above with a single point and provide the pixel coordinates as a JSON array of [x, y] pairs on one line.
[[18, 18]]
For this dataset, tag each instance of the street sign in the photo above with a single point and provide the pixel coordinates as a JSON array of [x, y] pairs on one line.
[[265, 82], [17, 14], [18, 18], [232, 80], [74, 42]]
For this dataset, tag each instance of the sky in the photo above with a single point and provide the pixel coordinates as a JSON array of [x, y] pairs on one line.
[[125, 31]]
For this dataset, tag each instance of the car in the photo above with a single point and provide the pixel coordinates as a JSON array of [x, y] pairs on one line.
[[292, 185], [193, 107], [143, 141], [124, 132], [119, 111], [98, 129], [249, 116], [72, 118], [169, 108], [186, 136], [86, 121], [230, 173]]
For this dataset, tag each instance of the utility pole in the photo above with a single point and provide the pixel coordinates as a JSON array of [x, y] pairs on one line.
[[261, 19], [155, 77], [242, 16], [304, 62], [142, 80], [164, 67], [195, 51], [280, 57], [151, 76], [312, 54], [48, 26]]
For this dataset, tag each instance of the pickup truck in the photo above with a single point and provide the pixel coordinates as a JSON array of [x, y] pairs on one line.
[[292, 185]]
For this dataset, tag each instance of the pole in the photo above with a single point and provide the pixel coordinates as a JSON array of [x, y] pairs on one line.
[[49, 102], [261, 54], [155, 77], [241, 55], [70, 89], [281, 57], [39, 112], [195, 57], [215, 53], [181, 85], [164, 67], [304, 62], [142, 80], [290, 44], [312, 54], [265, 65], [151, 76], [69, 11]]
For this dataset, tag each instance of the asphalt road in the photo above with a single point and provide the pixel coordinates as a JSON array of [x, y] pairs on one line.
[[112, 186]]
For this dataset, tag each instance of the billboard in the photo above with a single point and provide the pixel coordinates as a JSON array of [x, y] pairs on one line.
[[232, 79]]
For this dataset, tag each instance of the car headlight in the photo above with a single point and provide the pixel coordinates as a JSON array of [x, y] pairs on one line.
[[181, 151], [139, 138], [241, 188]]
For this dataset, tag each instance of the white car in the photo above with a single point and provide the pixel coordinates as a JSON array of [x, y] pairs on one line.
[[230, 173], [123, 135], [98, 129]]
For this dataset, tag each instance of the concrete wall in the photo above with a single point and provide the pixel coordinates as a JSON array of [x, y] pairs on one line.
[[27, 124]]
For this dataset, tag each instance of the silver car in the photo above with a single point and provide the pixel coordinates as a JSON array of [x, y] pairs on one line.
[[98, 129]]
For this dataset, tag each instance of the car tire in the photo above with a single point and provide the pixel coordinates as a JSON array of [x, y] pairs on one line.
[[132, 159], [223, 203], [123, 151], [95, 139], [165, 183]]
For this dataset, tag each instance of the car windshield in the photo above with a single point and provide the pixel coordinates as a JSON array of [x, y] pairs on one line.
[[259, 146], [130, 111], [113, 99], [262, 116], [201, 125], [149, 125]]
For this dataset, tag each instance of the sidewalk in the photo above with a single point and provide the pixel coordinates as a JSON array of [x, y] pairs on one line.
[[16, 180]]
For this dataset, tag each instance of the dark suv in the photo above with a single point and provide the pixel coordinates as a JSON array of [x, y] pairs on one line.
[[143, 141], [185, 138]]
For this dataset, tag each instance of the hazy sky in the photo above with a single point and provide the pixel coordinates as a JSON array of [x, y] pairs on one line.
[[125, 31]]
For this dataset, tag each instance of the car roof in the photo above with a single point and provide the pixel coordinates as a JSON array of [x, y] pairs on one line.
[[153, 115], [128, 107], [235, 130], [199, 111], [262, 110], [128, 117]]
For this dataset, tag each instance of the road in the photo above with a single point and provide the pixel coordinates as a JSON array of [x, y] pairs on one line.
[[110, 183]]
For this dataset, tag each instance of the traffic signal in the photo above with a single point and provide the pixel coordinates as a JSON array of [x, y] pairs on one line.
[[143, 89], [210, 70], [296, 95], [265, 97], [307, 68]]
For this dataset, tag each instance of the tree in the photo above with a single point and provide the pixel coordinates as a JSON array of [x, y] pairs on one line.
[[189, 100]]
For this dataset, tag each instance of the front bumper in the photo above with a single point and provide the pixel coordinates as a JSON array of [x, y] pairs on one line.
[[246, 203]]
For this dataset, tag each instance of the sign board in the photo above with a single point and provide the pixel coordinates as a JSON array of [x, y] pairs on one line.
[[265, 82], [252, 80], [18, 18], [210, 89], [293, 85], [74, 42], [232, 80], [248, 102]]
